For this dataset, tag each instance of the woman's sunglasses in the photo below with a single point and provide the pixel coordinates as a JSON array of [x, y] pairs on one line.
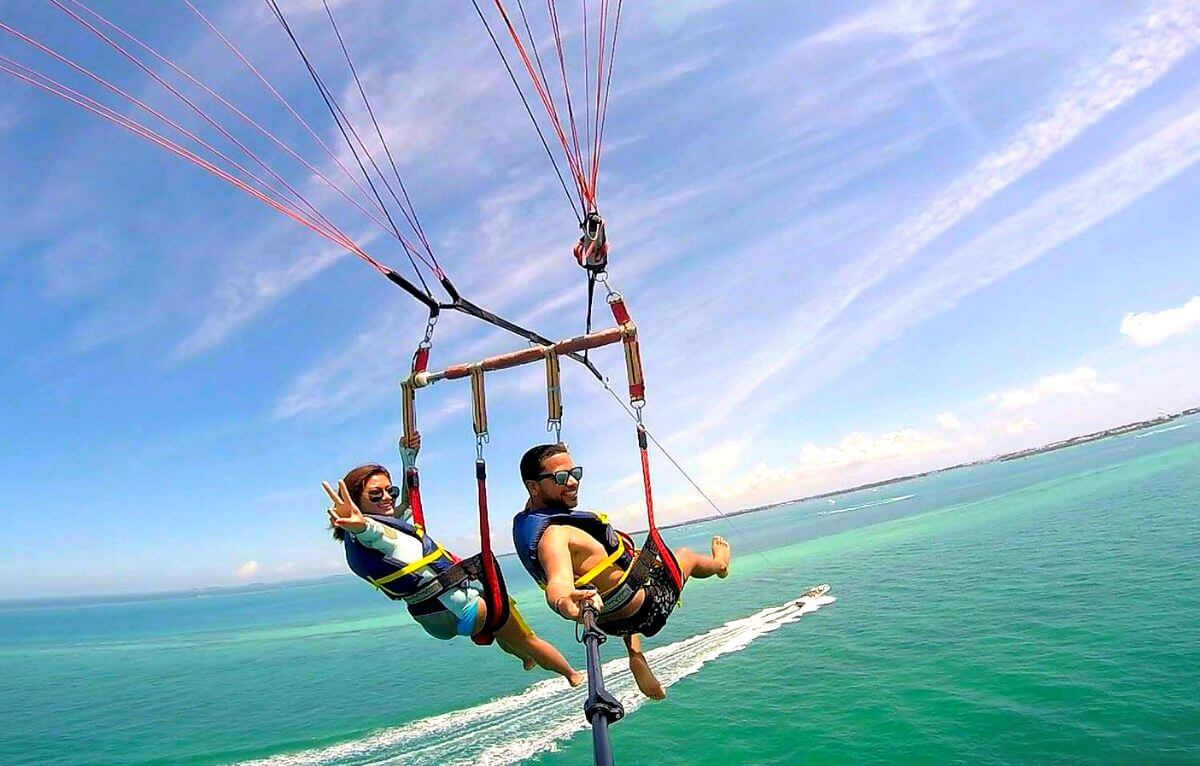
[[375, 495], [560, 477]]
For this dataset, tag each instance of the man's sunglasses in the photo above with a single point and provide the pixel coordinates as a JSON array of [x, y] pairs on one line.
[[560, 477], [375, 495]]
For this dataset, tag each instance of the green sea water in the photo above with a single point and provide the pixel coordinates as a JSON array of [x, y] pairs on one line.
[[1045, 610]]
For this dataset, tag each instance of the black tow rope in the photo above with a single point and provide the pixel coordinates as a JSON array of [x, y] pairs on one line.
[[600, 707]]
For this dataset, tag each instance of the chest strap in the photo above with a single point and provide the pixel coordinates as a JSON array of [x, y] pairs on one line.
[[424, 561]]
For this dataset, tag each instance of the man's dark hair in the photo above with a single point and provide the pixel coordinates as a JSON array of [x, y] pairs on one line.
[[356, 481], [531, 461]]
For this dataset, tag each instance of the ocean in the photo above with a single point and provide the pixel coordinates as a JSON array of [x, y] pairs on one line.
[[1044, 610]]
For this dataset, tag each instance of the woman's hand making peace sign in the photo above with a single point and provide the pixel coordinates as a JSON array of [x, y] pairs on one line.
[[344, 514]]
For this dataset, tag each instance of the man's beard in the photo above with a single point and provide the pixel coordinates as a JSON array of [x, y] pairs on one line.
[[557, 504]]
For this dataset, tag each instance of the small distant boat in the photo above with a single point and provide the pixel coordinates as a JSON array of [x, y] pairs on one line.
[[814, 592]]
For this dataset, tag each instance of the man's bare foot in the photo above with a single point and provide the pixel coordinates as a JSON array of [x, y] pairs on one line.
[[576, 679], [720, 552], [528, 663], [646, 681]]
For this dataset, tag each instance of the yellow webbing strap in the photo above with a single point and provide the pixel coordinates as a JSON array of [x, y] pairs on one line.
[[408, 410], [603, 565], [554, 408], [438, 553], [478, 401]]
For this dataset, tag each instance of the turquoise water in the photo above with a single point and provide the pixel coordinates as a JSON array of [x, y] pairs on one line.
[[1040, 611]]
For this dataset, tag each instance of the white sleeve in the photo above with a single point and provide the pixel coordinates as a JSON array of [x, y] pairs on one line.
[[389, 542]]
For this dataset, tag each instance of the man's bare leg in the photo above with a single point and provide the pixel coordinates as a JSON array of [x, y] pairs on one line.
[[642, 674], [701, 566]]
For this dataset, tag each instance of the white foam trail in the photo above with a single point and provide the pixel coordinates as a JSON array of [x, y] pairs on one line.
[[867, 505], [511, 729], [1162, 430]]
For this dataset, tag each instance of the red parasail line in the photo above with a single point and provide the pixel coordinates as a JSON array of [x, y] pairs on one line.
[[233, 107], [264, 184], [67, 93], [312, 209], [576, 171], [286, 105]]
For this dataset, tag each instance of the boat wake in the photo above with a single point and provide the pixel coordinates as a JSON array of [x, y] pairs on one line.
[[872, 504], [511, 729]]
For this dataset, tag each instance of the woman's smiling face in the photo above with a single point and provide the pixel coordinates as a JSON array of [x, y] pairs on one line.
[[377, 486]]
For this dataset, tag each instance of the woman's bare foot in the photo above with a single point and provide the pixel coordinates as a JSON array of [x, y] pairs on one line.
[[576, 679], [721, 552], [646, 681], [528, 663]]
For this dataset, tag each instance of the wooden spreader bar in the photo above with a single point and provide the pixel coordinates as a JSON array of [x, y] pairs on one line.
[[528, 355]]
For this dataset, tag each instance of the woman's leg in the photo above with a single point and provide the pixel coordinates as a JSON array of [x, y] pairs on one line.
[[516, 639]]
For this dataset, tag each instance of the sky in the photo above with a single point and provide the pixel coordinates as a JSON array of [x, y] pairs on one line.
[[859, 241]]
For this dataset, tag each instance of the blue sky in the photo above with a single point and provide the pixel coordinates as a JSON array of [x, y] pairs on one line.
[[858, 242]]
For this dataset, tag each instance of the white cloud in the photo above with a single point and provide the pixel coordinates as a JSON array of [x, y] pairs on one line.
[[949, 421], [857, 459], [1154, 327], [1082, 381], [1015, 427], [246, 571]]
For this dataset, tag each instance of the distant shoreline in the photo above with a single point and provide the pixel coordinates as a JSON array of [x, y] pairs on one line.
[[229, 590], [1008, 456]]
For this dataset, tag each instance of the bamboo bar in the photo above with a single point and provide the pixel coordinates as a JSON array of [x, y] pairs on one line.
[[525, 356]]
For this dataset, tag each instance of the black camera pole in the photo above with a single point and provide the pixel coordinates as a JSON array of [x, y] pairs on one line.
[[601, 708]]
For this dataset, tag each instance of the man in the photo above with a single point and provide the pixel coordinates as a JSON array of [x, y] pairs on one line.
[[564, 550]]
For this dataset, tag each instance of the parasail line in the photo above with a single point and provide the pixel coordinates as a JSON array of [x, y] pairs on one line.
[[69, 94], [587, 102], [594, 133], [200, 112], [410, 214], [589, 198], [576, 171], [343, 124], [537, 127], [279, 97], [233, 107], [607, 90], [142, 105]]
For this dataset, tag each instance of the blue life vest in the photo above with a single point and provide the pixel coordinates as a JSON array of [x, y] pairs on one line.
[[399, 580], [530, 525]]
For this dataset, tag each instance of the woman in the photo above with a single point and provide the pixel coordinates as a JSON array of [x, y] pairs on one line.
[[384, 548]]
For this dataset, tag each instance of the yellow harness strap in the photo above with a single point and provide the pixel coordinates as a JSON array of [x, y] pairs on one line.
[[603, 565], [438, 553]]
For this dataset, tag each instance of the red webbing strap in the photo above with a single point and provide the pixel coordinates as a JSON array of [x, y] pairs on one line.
[[653, 537], [412, 479], [495, 594], [420, 360]]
